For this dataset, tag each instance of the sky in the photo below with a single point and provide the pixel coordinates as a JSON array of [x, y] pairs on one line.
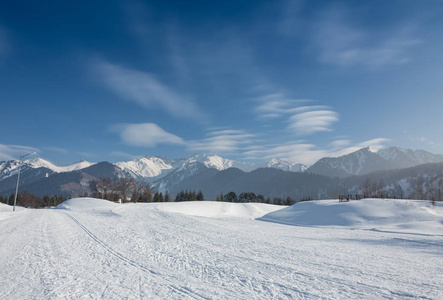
[[246, 80]]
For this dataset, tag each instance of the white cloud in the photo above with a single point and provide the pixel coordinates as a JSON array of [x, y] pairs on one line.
[[223, 141], [277, 104], [146, 90], [12, 152], [145, 135], [303, 120], [150, 135], [344, 45], [312, 121], [305, 153]]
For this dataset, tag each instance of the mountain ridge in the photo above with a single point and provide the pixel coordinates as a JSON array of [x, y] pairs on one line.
[[165, 174]]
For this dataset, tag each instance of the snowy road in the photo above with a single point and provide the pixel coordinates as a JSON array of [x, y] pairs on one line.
[[139, 251]]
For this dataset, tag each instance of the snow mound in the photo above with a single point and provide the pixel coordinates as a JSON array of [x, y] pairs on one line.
[[8, 208], [212, 209], [404, 215], [86, 203]]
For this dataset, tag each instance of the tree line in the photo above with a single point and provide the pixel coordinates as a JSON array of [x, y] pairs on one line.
[[128, 189], [26, 199], [247, 197]]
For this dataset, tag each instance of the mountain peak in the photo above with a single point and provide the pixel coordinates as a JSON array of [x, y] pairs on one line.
[[39, 162], [371, 159], [374, 149]]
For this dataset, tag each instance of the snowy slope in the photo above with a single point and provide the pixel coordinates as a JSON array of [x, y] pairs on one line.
[[147, 166], [284, 165], [92, 249], [40, 162], [387, 214], [220, 163], [404, 158], [10, 168]]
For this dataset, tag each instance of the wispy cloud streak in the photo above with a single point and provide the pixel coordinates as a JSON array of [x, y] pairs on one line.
[[145, 135], [344, 45], [223, 141], [150, 135], [306, 153], [146, 90], [10, 152], [302, 120]]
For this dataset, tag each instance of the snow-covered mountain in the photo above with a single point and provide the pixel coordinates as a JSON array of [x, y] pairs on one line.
[[168, 174], [40, 162], [284, 165], [153, 168], [10, 168], [367, 160], [405, 158], [148, 166]]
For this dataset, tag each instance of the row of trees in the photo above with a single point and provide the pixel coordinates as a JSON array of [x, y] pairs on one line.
[[128, 189], [125, 189], [26, 199], [246, 197], [420, 188]]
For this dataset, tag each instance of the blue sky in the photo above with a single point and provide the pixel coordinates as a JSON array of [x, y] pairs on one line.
[[247, 80]]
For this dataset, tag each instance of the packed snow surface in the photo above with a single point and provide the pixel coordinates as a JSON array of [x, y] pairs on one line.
[[94, 249]]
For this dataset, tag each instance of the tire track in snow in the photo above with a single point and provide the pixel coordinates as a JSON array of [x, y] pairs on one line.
[[181, 290]]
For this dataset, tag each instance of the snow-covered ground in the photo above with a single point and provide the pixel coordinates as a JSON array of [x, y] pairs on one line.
[[93, 249]]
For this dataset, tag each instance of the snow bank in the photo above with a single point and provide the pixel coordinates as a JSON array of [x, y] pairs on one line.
[[212, 209], [86, 203], [5, 208], [404, 215], [8, 208]]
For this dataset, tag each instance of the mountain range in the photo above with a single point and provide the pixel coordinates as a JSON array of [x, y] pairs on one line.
[[211, 173], [367, 160]]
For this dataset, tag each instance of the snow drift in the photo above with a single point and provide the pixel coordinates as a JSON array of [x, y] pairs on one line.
[[8, 208], [411, 215], [212, 209]]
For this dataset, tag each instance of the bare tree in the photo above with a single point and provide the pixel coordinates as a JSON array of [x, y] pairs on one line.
[[140, 188], [380, 189], [147, 194], [102, 187], [418, 189], [124, 187]]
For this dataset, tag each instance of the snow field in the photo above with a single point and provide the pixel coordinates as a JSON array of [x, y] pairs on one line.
[[95, 249]]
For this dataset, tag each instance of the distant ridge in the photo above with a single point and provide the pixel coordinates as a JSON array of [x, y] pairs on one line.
[[367, 160]]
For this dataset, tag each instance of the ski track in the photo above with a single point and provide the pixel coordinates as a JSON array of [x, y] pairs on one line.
[[140, 252]]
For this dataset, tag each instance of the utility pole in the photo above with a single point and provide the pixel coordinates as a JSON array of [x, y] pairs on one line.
[[18, 176]]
